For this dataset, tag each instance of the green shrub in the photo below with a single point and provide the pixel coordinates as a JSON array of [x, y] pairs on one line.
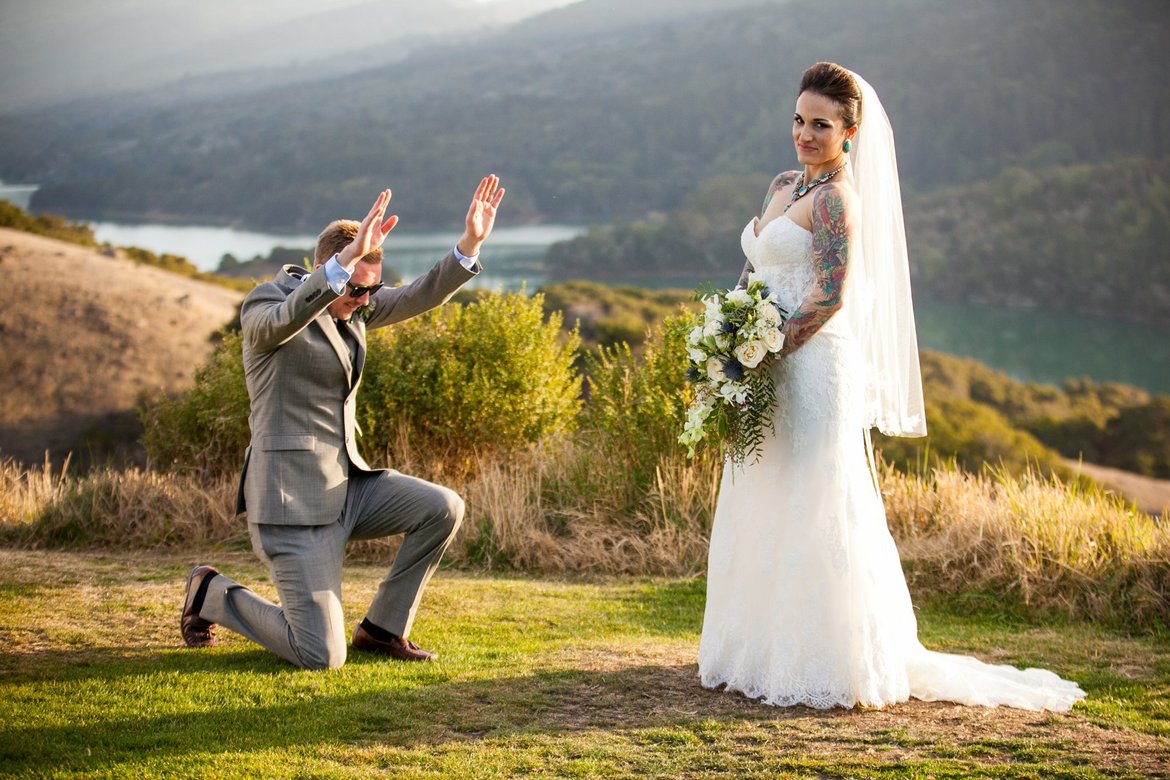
[[635, 412], [970, 434], [51, 225], [1076, 437], [621, 329], [491, 375], [206, 428], [608, 315], [1138, 439], [1071, 420], [177, 264]]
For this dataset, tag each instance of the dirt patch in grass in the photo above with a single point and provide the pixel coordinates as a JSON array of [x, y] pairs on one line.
[[656, 685]]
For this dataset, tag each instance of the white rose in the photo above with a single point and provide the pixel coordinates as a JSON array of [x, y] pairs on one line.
[[767, 314], [739, 297], [773, 339], [751, 353], [715, 369]]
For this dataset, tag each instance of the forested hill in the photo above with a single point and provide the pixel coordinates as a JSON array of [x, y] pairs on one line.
[[1090, 239], [611, 109]]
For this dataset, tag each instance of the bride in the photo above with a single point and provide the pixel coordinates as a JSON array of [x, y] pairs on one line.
[[806, 600]]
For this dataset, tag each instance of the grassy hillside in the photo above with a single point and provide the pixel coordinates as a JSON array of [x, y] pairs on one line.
[[612, 110], [84, 335]]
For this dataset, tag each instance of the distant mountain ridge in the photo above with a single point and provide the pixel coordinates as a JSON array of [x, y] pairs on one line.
[[612, 110]]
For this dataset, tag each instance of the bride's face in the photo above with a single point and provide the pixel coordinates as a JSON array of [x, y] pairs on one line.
[[818, 132]]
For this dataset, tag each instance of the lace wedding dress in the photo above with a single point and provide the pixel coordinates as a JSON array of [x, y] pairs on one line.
[[806, 600]]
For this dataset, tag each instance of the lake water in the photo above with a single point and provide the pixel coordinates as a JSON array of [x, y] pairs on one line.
[[20, 194], [1048, 347], [1030, 345], [513, 255]]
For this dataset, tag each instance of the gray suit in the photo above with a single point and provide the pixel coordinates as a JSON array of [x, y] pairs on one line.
[[306, 488]]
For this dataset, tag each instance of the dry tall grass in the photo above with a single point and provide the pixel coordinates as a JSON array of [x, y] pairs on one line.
[[522, 516], [113, 508], [1057, 546], [1052, 547]]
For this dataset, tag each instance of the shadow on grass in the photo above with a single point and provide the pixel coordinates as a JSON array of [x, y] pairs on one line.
[[391, 709]]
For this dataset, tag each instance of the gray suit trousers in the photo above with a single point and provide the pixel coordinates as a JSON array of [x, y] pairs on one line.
[[308, 628]]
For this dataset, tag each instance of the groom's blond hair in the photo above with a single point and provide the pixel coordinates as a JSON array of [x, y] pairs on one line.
[[336, 236]]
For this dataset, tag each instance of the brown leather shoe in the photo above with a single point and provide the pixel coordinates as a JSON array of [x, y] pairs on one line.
[[398, 647], [197, 632]]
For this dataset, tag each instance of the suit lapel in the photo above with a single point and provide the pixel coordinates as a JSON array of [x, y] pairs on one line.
[[358, 327], [325, 322]]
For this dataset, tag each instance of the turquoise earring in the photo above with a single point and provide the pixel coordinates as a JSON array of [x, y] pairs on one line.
[[848, 145]]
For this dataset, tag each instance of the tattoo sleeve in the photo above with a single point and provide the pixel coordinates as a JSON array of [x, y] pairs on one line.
[[780, 182], [830, 255]]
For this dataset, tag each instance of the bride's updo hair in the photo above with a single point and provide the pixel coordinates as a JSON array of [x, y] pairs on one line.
[[836, 83]]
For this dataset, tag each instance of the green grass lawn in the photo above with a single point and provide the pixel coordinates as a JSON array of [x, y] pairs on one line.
[[536, 677]]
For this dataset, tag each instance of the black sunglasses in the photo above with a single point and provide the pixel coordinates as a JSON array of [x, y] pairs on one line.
[[357, 292]]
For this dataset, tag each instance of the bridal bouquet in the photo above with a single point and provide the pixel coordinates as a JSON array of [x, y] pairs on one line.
[[731, 347]]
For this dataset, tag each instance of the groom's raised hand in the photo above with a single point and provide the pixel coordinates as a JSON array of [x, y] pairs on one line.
[[371, 233], [481, 215]]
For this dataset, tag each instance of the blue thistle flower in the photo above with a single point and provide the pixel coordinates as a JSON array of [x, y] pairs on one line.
[[693, 374], [734, 370]]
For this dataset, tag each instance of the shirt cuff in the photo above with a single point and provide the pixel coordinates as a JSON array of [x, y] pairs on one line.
[[335, 275], [470, 263]]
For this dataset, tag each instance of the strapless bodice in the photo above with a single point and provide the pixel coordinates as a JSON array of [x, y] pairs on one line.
[[782, 256], [782, 242]]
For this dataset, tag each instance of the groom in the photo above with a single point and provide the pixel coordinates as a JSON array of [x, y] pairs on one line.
[[306, 488]]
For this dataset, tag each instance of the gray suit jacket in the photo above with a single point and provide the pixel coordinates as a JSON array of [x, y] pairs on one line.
[[303, 389]]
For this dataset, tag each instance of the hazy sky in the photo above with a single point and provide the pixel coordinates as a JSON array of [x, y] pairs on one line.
[[60, 49]]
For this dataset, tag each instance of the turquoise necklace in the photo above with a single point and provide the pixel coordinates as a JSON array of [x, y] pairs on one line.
[[800, 190]]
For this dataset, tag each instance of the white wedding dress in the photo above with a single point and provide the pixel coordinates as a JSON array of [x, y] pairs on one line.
[[806, 599]]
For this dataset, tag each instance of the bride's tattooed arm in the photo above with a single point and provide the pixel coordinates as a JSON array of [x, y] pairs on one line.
[[830, 254], [786, 179]]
